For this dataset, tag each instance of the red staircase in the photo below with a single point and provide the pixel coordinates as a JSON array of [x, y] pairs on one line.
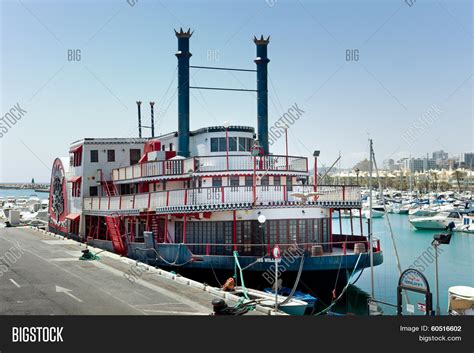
[[118, 241], [108, 186]]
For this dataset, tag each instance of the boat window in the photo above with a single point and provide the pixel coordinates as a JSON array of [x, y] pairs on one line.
[[233, 180], [232, 144], [135, 155], [217, 182], [276, 180], [222, 144], [242, 144], [453, 215], [93, 191], [289, 183], [248, 180], [110, 155], [94, 156], [214, 144], [292, 232]]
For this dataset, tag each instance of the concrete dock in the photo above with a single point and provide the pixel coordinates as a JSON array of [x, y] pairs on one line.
[[41, 274]]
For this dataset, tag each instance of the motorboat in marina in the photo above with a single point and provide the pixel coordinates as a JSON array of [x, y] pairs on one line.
[[466, 225], [461, 300], [376, 213], [401, 208], [439, 221]]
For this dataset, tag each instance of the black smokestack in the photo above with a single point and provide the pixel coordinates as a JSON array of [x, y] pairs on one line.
[[262, 92], [183, 56]]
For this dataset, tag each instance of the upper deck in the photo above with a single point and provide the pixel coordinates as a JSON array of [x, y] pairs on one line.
[[224, 198], [210, 165]]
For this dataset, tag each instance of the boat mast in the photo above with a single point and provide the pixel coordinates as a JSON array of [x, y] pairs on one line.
[[371, 252]]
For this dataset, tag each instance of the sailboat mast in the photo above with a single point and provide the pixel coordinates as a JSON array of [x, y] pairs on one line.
[[370, 223]]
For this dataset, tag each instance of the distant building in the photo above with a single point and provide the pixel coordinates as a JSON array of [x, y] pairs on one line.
[[440, 155], [388, 164], [413, 164], [429, 164], [417, 164], [468, 159]]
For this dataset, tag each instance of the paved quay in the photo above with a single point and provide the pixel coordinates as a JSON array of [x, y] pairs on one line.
[[41, 274]]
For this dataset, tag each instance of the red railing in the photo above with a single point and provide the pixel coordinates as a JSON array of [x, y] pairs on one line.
[[222, 195], [204, 164]]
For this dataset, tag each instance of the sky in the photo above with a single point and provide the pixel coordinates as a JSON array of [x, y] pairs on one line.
[[399, 72]]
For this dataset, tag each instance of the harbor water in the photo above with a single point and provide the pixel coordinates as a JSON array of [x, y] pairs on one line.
[[22, 193], [455, 265]]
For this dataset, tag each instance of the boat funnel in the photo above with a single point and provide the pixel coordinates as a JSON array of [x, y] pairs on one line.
[[183, 56], [262, 91]]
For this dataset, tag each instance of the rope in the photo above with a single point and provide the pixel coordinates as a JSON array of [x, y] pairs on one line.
[[236, 257], [157, 255], [253, 263], [344, 290], [297, 281], [215, 275]]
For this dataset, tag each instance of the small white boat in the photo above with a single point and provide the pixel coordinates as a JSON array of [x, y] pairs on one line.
[[466, 225], [293, 307], [461, 300], [21, 202], [44, 204], [375, 213], [440, 221]]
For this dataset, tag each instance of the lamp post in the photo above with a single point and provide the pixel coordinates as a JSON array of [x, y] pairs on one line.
[[226, 126], [262, 219], [315, 181], [439, 239]]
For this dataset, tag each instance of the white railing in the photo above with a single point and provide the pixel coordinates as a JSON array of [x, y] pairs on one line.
[[221, 195], [205, 164]]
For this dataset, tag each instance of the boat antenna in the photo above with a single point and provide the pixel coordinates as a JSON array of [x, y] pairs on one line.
[[152, 119], [371, 252], [139, 119]]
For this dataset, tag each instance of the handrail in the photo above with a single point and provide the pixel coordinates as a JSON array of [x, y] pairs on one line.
[[218, 163], [222, 195]]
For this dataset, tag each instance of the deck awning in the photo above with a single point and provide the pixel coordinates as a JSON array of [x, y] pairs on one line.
[[76, 149], [73, 216], [74, 179]]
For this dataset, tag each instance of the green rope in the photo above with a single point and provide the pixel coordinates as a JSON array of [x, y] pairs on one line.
[[344, 290], [236, 256]]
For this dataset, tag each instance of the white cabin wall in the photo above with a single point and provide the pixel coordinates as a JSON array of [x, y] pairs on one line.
[[90, 176]]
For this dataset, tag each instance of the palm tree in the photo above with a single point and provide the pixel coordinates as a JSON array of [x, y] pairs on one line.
[[459, 175]]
